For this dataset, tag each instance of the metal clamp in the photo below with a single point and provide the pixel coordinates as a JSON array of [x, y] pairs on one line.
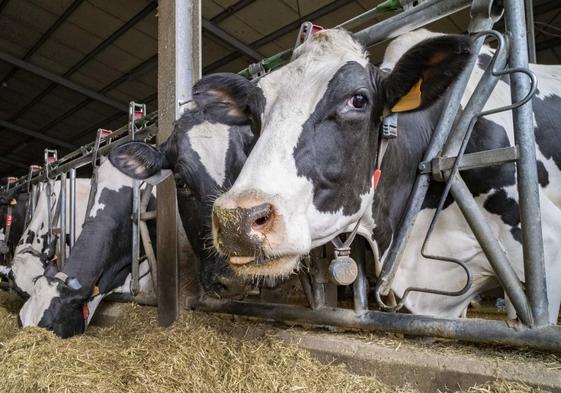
[[307, 29], [136, 112]]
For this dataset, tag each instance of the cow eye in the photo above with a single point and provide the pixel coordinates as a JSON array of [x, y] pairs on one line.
[[358, 101]]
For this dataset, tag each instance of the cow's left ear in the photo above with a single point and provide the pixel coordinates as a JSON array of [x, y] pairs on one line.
[[425, 71], [139, 160], [227, 97]]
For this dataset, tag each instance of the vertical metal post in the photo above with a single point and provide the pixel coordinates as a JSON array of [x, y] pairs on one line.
[[534, 267], [72, 229], [33, 202], [360, 286], [529, 8], [135, 268], [136, 111], [178, 67], [62, 238]]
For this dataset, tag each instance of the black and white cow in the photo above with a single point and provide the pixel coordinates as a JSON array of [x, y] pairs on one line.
[[32, 252], [100, 262], [310, 175], [206, 152]]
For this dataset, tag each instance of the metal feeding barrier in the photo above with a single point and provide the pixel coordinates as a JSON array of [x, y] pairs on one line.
[[141, 126], [443, 161]]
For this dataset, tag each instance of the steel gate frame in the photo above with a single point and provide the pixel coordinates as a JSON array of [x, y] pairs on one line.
[[137, 128]]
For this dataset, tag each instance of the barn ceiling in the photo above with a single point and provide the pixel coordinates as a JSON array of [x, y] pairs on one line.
[[69, 67]]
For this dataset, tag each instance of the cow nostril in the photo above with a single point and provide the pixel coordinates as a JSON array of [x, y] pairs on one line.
[[263, 219]]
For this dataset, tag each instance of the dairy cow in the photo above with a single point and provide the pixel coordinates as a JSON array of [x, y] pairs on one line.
[[206, 152], [33, 252], [310, 175], [64, 301]]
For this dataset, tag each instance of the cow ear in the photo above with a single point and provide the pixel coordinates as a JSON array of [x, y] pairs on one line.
[[425, 71], [138, 160], [225, 96]]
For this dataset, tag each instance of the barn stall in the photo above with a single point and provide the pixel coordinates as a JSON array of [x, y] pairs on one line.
[[150, 60]]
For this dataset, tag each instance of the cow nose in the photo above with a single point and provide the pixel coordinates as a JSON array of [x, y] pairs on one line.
[[239, 231], [259, 216]]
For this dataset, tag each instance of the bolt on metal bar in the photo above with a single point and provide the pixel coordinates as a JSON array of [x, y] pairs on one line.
[[466, 329], [534, 266]]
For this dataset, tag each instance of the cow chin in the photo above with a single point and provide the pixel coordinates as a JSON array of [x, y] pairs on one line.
[[278, 267]]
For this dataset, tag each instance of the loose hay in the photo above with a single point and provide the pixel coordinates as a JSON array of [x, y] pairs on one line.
[[196, 355]]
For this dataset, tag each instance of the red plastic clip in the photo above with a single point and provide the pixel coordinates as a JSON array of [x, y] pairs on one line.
[[376, 178], [12, 180], [104, 133], [85, 311]]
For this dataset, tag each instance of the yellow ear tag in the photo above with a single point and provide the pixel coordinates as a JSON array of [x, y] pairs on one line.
[[13, 202], [411, 100], [95, 291]]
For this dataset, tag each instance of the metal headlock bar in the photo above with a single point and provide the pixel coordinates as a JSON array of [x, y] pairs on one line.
[[141, 126], [136, 111], [83, 155]]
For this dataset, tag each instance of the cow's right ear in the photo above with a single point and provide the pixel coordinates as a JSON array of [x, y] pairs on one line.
[[138, 160]]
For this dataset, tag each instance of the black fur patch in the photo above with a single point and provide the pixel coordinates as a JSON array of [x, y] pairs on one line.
[[548, 118], [336, 149], [436, 61]]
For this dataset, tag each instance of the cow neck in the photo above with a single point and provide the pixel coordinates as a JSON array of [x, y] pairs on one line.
[[400, 168], [105, 237]]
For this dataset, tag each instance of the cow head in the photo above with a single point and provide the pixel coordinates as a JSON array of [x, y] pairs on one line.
[[206, 152], [309, 176], [56, 304]]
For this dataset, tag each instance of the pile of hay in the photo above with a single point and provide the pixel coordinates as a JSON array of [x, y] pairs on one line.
[[196, 355]]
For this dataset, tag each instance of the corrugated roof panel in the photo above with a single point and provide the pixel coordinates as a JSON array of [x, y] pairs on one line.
[[263, 17], [213, 49], [210, 9]]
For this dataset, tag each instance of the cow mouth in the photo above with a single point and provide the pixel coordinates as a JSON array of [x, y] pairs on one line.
[[280, 265]]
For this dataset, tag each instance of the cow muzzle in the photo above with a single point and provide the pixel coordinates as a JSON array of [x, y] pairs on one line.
[[250, 230]]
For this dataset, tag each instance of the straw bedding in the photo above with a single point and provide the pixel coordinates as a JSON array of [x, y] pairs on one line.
[[196, 355]]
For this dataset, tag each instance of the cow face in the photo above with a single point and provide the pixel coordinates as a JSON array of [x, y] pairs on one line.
[[54, 306], [206, 152], [309, 176]]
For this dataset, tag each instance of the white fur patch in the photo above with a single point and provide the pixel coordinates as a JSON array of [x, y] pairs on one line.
[[211, 142], [108, 177], [34, 308]]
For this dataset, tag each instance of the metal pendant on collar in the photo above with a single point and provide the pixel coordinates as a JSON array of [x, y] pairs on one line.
[[343, 269]]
